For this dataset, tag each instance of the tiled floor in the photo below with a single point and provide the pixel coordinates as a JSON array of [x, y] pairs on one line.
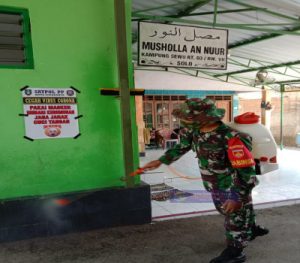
[[280, 187]]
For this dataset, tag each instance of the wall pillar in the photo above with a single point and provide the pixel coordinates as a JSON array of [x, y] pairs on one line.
[[265, 111], [140, 124]]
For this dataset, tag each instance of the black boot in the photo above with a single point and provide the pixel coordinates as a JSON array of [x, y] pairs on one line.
[[258, 231], [230, 255]]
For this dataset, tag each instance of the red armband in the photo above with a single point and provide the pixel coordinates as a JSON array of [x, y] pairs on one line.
[[238, 154]]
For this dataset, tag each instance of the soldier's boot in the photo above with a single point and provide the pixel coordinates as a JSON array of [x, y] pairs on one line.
[[258, 231], [230, 255]]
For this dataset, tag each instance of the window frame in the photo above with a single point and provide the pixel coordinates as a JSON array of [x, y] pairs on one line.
[[28, 52], [153, 100]]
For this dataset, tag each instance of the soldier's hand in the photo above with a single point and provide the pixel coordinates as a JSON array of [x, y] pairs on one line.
[[152, 165], [231, 206]]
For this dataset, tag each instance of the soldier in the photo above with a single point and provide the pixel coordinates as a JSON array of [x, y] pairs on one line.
[[226, 167]]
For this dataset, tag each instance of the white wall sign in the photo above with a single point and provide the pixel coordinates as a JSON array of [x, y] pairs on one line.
[[182, 46], [50, 113]]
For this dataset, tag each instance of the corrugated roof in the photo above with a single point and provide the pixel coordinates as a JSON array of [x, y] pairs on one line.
[[262, 33]]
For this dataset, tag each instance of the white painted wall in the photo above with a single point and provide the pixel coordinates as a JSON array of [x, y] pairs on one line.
[[164, 80]]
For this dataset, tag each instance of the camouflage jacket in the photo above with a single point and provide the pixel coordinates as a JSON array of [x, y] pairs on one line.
[[215, 167]]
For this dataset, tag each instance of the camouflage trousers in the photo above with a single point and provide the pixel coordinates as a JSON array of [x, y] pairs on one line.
[[238, 225]]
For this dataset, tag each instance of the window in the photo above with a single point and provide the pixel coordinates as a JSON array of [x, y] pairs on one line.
[[162, 114], [15, 39], [148, 114], [158, 111]]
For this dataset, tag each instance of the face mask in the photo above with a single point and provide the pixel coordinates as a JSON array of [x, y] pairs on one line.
[[191, 125], [194, 125]]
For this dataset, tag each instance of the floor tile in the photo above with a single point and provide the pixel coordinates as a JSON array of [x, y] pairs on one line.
[[277, 188]]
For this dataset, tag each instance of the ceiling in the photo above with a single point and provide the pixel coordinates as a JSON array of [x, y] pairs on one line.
[[264, 35]]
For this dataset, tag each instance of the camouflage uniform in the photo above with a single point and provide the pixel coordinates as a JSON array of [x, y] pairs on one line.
[[219, 177]]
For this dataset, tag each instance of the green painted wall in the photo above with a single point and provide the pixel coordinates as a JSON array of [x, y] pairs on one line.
[[73, 45]]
